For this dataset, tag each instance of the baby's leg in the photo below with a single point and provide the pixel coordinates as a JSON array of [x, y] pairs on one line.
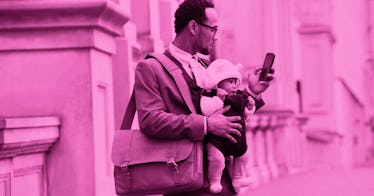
[[239, 172], [216, 165], [239, 167]]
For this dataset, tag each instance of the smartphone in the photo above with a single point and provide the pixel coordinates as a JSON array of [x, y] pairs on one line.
[[266, 68]]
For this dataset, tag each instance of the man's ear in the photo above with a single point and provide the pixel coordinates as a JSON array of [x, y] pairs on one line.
[[192, 27]]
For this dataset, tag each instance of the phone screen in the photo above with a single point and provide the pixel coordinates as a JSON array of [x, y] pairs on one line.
[[268, 63]]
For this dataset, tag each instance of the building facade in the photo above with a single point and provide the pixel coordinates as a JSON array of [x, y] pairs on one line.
[[67, 69]]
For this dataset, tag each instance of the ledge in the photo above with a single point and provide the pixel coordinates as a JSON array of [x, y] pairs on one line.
[[325, 136], [27, 135], [317, 29], [272, 110], [39, 24], [103, 14]]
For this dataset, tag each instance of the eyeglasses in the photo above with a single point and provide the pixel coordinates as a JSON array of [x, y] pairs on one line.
[[213, 29]]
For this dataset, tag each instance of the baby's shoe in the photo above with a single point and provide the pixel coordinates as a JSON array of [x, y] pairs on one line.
[[215, 187], [237, 183]]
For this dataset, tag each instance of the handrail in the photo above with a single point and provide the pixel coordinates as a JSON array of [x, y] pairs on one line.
[[351, 92]]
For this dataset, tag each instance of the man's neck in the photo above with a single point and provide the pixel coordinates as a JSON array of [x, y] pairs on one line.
[[184, 45]]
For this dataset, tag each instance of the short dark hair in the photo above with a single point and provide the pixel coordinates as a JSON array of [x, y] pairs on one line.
[[190, 10]]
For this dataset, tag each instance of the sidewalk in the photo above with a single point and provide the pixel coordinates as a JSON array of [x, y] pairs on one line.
[[350, 182]]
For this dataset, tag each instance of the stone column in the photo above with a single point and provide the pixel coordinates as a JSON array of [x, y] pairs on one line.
[[294, 141], [281, 140], [146, 16], [56, 59], [270, 157], [301, 121], [125, 58], [251, 126], [260, 147]]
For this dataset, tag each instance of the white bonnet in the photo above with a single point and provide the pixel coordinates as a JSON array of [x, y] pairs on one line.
[[221, 69]]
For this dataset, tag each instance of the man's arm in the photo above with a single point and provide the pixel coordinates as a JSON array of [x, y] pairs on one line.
[[256, 87]]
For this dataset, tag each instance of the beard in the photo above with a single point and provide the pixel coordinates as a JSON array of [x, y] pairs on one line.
[[205, 51]]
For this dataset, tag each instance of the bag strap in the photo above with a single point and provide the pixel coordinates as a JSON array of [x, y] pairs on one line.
[[168, 63], [183, 88], [130, 113]]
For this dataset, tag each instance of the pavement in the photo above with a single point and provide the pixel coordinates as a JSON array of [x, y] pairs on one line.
[[337, 182]]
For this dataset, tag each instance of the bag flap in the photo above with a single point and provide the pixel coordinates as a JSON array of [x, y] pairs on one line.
[[133, 147]]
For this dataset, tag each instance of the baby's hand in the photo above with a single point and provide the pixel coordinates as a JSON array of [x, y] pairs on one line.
[[221, 93], [251, 105]]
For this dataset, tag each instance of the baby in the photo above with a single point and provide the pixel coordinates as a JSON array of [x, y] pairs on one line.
[[224, 78]]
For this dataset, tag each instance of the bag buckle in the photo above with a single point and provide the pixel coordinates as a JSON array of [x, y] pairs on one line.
[[175, 170], [172, 162], [124, 164], [125, 167]]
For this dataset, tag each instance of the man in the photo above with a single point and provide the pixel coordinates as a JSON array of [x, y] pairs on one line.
[[168, 112]]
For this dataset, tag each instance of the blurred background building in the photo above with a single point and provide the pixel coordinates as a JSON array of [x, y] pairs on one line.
[[67, 68]]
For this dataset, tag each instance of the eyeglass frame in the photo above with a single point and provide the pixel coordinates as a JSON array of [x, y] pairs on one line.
[[215, 29]]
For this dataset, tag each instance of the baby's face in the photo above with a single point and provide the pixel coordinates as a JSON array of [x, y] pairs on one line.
[[229, 85]]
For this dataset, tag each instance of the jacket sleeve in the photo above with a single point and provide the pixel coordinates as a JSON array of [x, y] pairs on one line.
[[156, 119], [259, 103]]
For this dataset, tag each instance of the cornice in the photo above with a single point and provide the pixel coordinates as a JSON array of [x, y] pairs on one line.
[[19, 136], [317, 30], [105, 15]]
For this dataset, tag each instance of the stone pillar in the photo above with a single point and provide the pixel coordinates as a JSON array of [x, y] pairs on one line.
[[301, 121], [146, 17], [293, 147], [124, 63], [260, 147], [56, 57], [293, 142], [23, 154], [270, 157], [251, 126], [167, 9], [281, 141]]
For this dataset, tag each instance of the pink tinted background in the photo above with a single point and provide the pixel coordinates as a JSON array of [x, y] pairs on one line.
[[67, 69]]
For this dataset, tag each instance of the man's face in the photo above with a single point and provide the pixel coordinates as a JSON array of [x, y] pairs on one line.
[[208, 29]]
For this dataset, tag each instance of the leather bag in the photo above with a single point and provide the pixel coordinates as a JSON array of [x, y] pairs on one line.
[[144, 165]]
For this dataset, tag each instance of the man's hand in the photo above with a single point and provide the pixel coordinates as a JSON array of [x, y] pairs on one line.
[[223, 126], [257, 86]]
